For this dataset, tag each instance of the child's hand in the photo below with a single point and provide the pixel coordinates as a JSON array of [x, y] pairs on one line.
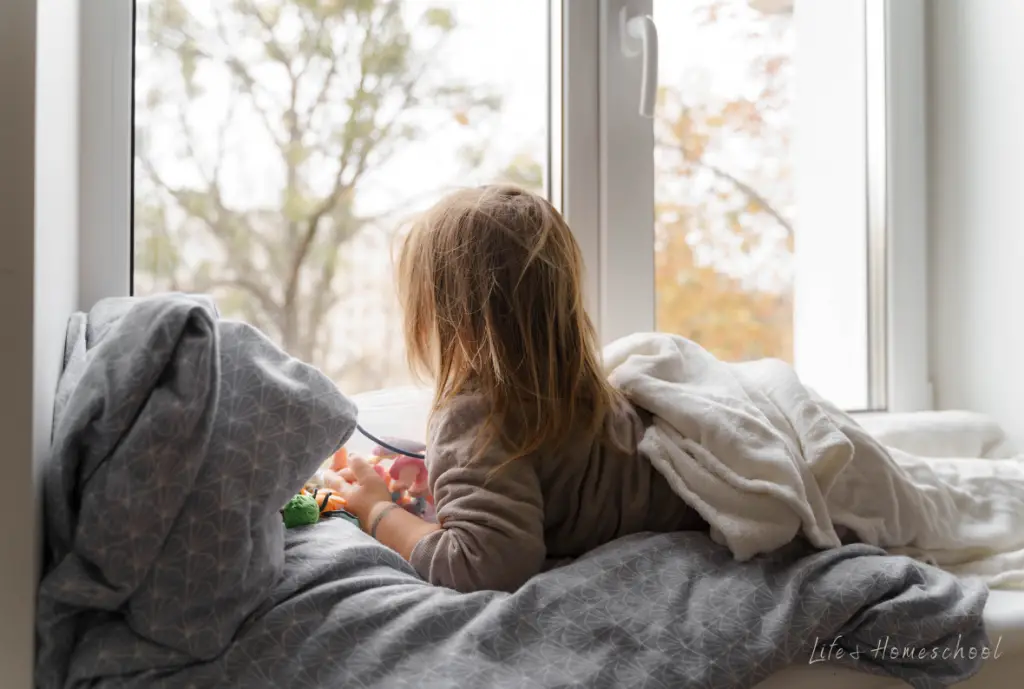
[[362, 488]]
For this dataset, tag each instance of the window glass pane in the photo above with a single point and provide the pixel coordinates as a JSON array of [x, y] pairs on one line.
[[727, 191], [279, 144]]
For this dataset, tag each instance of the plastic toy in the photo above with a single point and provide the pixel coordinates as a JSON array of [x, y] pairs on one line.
[[310, 507], [326, 499], [409, 477], [406, 478]]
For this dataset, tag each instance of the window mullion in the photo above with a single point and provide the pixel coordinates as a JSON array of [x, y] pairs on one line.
[[105, 163], [580, 139], [626, 183]]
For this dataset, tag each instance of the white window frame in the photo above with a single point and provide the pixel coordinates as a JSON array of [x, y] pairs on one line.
[[607, 203], [604, 177], [909, 382], [105, 163]]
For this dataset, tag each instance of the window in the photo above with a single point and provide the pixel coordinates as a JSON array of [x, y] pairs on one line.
[[725, 207], [769, 205], [761, 244], [279, 146]]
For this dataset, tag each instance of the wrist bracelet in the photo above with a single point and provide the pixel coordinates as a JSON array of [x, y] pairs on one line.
[[380, 515]]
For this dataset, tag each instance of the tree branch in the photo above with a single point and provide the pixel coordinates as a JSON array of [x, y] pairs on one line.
[[323, 298], [341, 185], [186, 130], [743, 187], [321, 94], [221, 146], [382, 133], [751, 194], [243, 267], [266, 301], [274, 49], [236, 67]]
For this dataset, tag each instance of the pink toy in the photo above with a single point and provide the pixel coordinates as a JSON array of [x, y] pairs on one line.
[[409, 475]]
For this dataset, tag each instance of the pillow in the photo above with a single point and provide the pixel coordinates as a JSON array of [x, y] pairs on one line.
[[949, 433], [178, 437]]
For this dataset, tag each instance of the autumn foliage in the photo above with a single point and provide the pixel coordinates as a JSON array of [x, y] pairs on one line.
[[724, 240]]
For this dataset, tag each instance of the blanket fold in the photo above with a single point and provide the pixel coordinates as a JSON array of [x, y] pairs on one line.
[[763, 458], [177, 438]]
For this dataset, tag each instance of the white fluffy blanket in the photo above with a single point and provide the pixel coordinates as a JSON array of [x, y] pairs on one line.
[[764, 459]]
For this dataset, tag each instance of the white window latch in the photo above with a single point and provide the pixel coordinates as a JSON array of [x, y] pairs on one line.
[[639, 36]]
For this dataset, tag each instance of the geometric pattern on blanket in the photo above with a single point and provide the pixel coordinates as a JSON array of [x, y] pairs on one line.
[[179, 435], [177, 438], [665, 610]]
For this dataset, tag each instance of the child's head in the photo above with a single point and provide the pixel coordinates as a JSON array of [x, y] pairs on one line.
[[491, 284]]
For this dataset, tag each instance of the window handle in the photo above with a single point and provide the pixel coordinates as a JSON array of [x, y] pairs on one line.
[[639, 36]]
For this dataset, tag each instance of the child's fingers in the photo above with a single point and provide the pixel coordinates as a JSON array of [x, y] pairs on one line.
[[347, 474], [345, 492], [332, 480], [361, 469]]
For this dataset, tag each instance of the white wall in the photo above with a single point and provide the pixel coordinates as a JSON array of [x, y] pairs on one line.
[[976, 207], [38, 284]]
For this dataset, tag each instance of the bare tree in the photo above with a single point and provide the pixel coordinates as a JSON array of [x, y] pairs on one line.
[[328, 91]]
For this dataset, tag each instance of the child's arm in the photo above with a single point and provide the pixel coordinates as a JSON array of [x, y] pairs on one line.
[[367, 496], [490, 515], [490, 530], [491, 534], [491, 520], [399, 529]]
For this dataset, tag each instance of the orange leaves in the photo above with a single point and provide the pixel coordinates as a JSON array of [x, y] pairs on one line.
[[732, 320], [729, 316], [774, 64], [742, 114], [690, 134], [682, 126], [721, 200], [693, 129]]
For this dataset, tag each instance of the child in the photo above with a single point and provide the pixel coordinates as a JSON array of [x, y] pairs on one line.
[[532, 454]]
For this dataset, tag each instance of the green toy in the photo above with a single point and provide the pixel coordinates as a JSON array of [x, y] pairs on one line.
[[300, 511]]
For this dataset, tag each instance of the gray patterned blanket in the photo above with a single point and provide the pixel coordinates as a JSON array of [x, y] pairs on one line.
[[178, 436]]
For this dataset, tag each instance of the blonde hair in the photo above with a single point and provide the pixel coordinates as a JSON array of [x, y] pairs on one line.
[[491, 284]]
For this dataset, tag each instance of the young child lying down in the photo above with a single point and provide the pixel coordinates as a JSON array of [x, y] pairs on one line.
[[532, 455]]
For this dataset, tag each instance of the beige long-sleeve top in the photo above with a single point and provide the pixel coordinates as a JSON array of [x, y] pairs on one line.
[[498, 529]]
